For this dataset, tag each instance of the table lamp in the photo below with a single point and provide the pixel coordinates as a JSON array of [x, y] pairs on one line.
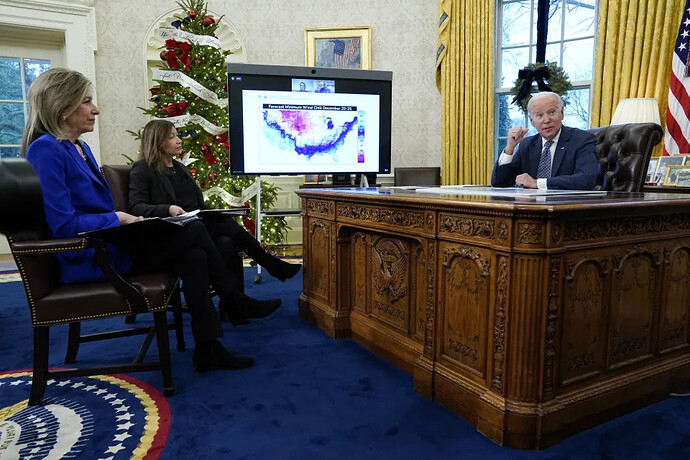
[[636, 110]]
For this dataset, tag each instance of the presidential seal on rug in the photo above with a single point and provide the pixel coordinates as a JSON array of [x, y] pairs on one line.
[[103, 416]]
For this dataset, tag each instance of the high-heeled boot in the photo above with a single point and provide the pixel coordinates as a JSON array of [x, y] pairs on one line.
[[277, 268], [240, 307]]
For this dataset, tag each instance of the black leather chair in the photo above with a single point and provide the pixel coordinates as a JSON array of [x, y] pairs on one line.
[[430, 176], [51, 302], [623, 153]]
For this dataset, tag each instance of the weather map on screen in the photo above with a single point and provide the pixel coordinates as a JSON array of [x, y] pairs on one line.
[[294, 130], [308, 120]]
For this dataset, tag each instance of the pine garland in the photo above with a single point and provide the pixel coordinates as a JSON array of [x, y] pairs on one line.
[[206, 66]]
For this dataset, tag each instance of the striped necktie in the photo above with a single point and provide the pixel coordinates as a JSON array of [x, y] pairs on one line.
[[544, 170]]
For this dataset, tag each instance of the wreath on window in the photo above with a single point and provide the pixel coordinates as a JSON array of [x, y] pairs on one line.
[[549, 77]]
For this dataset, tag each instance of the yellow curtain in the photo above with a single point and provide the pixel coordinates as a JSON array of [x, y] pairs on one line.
[[635, 40], [464, 77]]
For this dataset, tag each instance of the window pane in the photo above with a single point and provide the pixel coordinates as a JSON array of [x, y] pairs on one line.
[[516, 23], [553, 53], [32, 69], [579, 18], [11, 122], [509, 114], [9, 152], [577, 108], [512, 60], [555, 20], [578, 57], [10, 79]]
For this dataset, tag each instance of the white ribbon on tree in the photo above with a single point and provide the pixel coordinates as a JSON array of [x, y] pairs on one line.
[[193, 85], [206, 40], [183, 120], [247, 194]]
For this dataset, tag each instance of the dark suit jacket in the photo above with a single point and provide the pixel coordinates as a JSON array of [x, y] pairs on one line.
[[151, 193], [574, 163], [76, 198]]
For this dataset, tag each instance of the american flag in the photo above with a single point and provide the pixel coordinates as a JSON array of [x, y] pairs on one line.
[[678, 113], [346, 52]]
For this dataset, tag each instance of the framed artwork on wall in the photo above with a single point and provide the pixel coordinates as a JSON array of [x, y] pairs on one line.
[[338, 47]]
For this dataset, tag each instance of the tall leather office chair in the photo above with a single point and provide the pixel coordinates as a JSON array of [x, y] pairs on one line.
[[51, 302], [429, 176], [623, 153]]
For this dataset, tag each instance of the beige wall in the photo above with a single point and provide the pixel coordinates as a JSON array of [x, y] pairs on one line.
[[403, 41]]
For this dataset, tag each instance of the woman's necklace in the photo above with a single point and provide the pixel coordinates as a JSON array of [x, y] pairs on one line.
[[81, 152]]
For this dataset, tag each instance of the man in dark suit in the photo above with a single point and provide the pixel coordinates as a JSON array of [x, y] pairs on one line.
[[558, 157]]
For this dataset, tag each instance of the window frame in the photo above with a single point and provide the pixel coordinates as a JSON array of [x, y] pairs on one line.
[[531, 46]]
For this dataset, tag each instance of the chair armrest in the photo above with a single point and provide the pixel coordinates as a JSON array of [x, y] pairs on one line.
[[49, 246], [35, 247]]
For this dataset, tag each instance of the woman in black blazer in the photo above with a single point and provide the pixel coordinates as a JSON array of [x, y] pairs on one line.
[[160, 186]]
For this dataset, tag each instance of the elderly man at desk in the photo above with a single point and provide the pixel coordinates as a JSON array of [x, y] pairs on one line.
[[558, 157]]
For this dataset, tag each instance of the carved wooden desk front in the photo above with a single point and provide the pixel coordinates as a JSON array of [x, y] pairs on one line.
[[531, 319]]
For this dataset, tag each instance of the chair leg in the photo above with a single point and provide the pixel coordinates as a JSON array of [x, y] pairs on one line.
[[145, 346], [40, 374], [131, 319], [73, 340], [176, 302], [161, 324]]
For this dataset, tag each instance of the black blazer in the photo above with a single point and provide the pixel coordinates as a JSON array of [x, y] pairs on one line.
[[574, 162], [150, 192]]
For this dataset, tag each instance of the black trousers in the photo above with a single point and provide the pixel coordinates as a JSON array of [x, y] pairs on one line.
[[203, 255]]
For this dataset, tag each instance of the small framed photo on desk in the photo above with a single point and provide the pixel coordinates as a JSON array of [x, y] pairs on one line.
[[677, 176], [664, 163]]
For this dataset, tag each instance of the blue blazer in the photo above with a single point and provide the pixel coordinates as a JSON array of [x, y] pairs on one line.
[[76, 198], [574, 163]]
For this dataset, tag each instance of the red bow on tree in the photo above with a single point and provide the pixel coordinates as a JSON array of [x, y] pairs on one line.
[[206, 151], [171, 57], [174, 110], [249, 224], [222, 139]]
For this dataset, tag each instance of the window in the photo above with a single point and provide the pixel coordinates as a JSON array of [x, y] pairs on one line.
[[16, 75], [570, 44]]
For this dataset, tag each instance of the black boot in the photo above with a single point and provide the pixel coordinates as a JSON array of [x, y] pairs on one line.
[[234, 311], [277, 268], [243, 307], [212, 355]]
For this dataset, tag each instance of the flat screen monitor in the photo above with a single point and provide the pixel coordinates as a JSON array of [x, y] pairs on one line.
[[308, 120]]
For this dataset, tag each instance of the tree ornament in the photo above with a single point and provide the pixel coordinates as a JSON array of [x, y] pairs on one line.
[[192, 14]]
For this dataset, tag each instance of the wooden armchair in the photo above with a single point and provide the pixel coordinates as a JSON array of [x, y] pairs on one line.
[[623, 152], [51, 302]]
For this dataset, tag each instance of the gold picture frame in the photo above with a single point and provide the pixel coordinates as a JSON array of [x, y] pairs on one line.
[[338, 47], [677, 176]]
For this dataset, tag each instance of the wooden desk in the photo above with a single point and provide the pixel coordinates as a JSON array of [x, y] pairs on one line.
[[531, 319]]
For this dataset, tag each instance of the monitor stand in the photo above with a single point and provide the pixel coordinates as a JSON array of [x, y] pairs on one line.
[[341, 179]]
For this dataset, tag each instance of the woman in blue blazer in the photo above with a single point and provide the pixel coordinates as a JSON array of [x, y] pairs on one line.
[[77, 199]]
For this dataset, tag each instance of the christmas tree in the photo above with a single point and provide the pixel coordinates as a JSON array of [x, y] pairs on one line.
[[191, 92]]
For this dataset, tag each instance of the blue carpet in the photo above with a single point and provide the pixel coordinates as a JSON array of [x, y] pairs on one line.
[[311, 397]]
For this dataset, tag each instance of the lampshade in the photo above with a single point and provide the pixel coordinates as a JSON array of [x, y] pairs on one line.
[[636, 110]]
